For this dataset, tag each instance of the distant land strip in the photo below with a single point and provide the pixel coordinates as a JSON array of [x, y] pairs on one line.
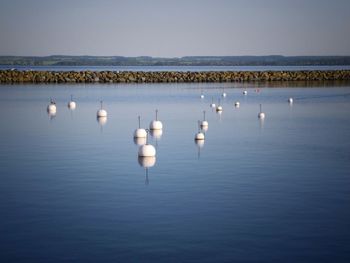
[[28, 76], [273, 60]]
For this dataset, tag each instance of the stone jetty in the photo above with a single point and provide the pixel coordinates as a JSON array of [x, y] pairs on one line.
[[29, 76]]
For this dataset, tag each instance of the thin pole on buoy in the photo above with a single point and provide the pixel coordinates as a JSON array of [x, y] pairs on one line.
[[101, 102], [147, 131], [204, 115], [156, 124], [260, 108], [139, 122]]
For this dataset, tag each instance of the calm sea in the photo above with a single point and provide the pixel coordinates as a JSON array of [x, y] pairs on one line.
[[74, 190]]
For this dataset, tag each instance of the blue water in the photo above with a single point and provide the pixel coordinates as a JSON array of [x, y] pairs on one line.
[[73, 190], [176, 68]]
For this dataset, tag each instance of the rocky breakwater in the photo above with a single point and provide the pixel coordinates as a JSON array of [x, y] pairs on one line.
[[15, 76]]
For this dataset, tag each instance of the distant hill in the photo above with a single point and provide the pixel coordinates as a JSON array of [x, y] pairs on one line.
[[274, 60]]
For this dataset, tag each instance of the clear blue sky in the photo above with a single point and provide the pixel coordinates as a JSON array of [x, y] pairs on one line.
[[174, 28]]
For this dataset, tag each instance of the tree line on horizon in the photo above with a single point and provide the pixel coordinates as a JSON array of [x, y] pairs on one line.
[[273, 60]]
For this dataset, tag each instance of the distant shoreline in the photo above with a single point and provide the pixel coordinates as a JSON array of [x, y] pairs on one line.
[[176, 68], [121, 61], [29, 76]]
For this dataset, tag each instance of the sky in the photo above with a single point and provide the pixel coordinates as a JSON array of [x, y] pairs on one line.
[[174, 28]]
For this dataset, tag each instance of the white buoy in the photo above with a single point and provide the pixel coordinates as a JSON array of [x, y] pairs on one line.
[[156, 124], [147, 150], [156, 134], [204, 123], [223, 93], [219, 107], [102, 121], [199, 143], [147, 162], [199, 135], [290, 100], [237, 104], [51, 108], [261, 115], [212, 105], [202, 95], [140, 141], [140, 132], [245, 92], [71, 104], [51, 111], [51, 115], [101, 112]]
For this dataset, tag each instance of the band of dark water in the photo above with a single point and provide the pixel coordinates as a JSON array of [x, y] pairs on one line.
[[15, 76]]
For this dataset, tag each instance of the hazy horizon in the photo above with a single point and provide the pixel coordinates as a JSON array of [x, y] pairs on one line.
[[174, 29], [155, 57]]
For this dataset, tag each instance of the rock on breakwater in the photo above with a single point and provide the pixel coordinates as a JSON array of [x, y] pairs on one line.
[[15, 76]]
